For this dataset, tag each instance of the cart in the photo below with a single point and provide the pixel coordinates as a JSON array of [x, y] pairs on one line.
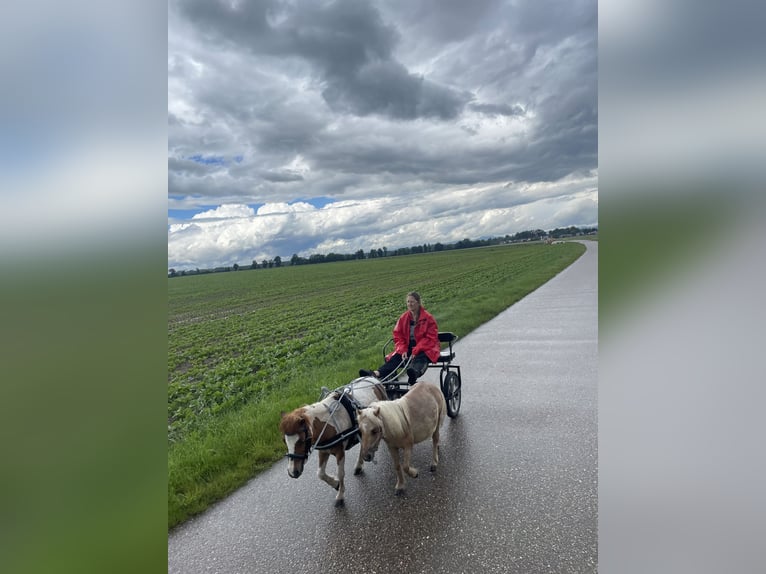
[[450, 379]]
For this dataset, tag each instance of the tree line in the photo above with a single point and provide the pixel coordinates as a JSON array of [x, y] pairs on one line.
[[522, 236]]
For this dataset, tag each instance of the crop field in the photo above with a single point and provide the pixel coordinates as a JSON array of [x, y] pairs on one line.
[[245, 345]]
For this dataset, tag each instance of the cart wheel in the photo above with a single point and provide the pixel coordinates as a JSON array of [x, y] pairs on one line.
[[451, 390]]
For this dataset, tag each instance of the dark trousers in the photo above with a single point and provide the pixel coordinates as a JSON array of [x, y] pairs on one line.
[[416, 369]]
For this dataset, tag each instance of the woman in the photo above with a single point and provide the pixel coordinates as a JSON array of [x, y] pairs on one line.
[[415, 335]]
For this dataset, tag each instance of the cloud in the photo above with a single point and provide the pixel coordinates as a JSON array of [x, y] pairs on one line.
[[238, 234], [372, 103], [498, 109], [229, 211]]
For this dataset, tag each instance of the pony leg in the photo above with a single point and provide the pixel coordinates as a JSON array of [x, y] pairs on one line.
[[399, 488], [412, 471], [435, 455], [359, 463], [340, 460], [322, 473]]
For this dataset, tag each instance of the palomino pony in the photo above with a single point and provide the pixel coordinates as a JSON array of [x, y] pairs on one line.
[[401, 424], [330, 427]]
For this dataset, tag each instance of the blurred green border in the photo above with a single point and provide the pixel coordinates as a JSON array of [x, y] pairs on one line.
[[84, 341]]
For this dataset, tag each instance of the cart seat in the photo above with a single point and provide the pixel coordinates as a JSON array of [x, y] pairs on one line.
[[446, 355]]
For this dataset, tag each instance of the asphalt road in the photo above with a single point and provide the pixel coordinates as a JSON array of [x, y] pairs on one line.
[[516, 487]]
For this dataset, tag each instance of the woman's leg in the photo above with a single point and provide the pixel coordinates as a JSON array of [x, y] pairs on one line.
[[417, 368], [389, 366]]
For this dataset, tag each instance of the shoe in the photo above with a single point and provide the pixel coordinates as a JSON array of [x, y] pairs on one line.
[[412, 377], [366, 373]]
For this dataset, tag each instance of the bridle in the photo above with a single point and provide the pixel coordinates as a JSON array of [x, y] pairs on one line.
[[305, 430]]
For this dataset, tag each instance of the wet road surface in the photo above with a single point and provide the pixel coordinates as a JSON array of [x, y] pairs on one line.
[[516, 487]]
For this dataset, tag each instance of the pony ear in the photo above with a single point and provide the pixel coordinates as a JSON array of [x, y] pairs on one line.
[[376, 411]]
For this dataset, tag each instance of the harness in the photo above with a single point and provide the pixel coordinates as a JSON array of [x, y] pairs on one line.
[[345, 398], [348, 401]]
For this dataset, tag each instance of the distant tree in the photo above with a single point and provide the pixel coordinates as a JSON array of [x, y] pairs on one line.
[[438, 246], [171, 272], [360, 254], [236, 267], [523, 236], [254, 264], [265, 263], [278, 261]]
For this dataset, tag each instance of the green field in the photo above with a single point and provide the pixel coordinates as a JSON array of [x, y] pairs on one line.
[[244, 346]]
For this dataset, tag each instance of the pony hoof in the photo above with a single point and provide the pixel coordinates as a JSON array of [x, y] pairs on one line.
[[358, 471], [339, 503], [433, 468], [399, 491], [337, 486]]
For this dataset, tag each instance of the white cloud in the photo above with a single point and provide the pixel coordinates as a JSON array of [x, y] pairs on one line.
[[276, 208], [236, 234], [228, 211]]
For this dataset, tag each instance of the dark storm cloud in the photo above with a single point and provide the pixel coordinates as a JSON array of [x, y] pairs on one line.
[[498, 109], [348, 46], [188, 167], [280, 177], [448, 20], [386, 88]]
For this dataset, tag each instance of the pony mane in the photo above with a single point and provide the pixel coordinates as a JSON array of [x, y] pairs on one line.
[[392, 415], [291, 422]]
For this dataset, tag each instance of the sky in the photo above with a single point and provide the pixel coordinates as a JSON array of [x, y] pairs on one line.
[[305, 126]]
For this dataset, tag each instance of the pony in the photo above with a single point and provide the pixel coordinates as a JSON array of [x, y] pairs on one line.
[[402, 423], [329, 426]]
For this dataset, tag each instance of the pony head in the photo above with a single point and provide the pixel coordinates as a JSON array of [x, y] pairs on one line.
[[370, 431], [296, 432]]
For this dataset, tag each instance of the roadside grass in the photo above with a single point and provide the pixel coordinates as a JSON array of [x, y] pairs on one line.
[[245, 346]]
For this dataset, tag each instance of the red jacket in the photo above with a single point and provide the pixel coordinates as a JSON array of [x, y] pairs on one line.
[[426, 335]]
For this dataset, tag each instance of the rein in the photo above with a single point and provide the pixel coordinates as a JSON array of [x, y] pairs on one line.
[[332, 413], [341, 436], [395, 373]]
